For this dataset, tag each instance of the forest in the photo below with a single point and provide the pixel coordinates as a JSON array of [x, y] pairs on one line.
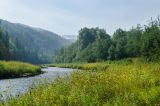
[[4, 45], [94, 44], [13, 51], [24, 43]]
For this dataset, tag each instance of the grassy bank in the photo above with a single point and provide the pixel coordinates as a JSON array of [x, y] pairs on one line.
[[14, 69], [124, 83]]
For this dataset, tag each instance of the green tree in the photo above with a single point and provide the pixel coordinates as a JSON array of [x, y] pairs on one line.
[[151, 41], [133, 45], [111, 52], [119, 38], [86, 36]]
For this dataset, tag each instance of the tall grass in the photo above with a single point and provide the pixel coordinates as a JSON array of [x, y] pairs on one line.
[[14, 69], [122, 83]]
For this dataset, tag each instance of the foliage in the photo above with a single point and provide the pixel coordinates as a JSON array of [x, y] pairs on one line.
[[151, 41], [92, 45], [24, 43], [120, 41], [126, 82], [4, 45], [95, 44]]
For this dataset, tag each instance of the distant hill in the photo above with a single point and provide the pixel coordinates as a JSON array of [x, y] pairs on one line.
[[30, 44]]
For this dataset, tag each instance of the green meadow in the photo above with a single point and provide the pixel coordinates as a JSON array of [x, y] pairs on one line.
[[13, 69], [127, 82]]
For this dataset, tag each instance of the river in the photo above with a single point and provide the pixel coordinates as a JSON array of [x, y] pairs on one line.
[[19, 86]]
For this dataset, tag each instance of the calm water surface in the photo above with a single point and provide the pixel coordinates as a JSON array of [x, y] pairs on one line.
[[21, 85]]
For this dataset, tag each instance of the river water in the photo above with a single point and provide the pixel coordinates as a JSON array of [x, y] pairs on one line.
[[17, 86]]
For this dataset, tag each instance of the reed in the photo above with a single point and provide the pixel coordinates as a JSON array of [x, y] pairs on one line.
[[123, 83], [13, 69]]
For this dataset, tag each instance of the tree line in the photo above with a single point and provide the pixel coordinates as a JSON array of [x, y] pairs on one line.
[[94, 44]]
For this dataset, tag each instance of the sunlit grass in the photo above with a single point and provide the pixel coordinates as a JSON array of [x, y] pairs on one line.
[[124, 83], [17, 69]]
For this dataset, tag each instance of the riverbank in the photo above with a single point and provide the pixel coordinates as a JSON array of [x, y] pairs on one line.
[[121, 83], [19, 86], [12, 69]]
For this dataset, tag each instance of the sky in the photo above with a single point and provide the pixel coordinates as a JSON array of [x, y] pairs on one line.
[[67, 17]]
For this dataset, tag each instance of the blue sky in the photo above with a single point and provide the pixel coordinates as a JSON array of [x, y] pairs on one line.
[[67, 17]]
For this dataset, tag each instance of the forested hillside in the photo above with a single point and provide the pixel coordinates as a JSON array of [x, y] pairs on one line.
[[94, 44], [24, 43], [4, 45]]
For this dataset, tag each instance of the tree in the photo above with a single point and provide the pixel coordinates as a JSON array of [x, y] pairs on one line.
[[86, 36], [94, 44], [111, 52], [134, 41], [119, 39], [151, 41]]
